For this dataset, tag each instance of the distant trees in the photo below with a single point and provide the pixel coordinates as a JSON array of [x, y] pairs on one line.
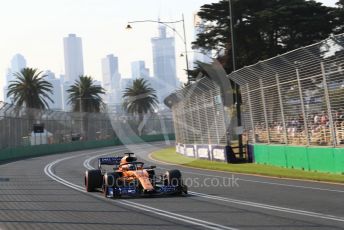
[[264, 29], [86, 94], [139, 98], [30, 89]]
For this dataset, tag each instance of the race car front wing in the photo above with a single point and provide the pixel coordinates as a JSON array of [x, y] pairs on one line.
[[113, 192]]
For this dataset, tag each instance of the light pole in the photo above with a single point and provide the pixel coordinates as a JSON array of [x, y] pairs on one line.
[[183, 38], [232, 34], [234, 68]]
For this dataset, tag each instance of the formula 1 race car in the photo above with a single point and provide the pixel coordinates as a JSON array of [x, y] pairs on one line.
[[130, 178]]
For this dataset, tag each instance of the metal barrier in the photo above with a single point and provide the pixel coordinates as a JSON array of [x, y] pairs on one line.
[[16, 125], [201, 120], [296, 98], [198, 114]]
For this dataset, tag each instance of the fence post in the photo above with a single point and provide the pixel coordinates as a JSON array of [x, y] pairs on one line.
[[206, 118], [185, 128], [199, 121], [328, 105], [251, 114], [264, 108], [215, 119], [302, 106], [191, 110], [285, 132], [180, 121]]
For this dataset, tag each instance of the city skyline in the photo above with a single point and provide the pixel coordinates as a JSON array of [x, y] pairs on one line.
[[101, 35]]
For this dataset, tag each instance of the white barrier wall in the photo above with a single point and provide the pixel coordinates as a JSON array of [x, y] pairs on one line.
[[206, 152]]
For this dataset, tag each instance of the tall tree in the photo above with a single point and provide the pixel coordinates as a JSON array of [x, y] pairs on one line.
[[139, 98], [263, 29], [339, 17], [85, 93], [30, 89]]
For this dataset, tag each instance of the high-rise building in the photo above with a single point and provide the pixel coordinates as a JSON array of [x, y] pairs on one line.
[[74, 65], [65, 96], [111, 79], [73, 58], [164, 62], [18, 63], [8, 78], [200, 55], [110, 71], [56, 96], [139, 70]]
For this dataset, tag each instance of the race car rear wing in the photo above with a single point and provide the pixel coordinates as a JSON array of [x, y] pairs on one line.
[[109, 161]]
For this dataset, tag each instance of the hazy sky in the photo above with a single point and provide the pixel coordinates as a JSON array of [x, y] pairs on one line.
[[35, 28]]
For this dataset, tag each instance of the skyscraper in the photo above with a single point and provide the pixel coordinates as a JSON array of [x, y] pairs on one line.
[[74, 64], [18, 63], [111, 79], [139, 70], [164, 62], [73, 58], [9, 77], [56, 96]]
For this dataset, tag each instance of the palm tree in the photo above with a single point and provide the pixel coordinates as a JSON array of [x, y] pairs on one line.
[[30, 89], [85, 93], [139, 98], [85, 96]]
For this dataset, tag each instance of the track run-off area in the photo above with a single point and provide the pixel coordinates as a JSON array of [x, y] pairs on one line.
[[48, 193]]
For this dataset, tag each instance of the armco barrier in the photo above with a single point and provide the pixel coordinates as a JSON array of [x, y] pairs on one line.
[[202, 152], [40, 150], [320, 159], [218, 153], [189, 150], [206, 152]]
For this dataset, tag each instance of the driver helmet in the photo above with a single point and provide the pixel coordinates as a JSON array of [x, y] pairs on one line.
[[131, 166]]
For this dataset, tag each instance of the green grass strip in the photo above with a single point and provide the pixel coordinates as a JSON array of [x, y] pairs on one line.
[[169, 155]]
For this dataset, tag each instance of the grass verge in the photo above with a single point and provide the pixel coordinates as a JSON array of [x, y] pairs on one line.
[[170, 156]]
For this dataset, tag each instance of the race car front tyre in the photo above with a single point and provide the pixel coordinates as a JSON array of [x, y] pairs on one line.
[[93, 180], [112, 179]]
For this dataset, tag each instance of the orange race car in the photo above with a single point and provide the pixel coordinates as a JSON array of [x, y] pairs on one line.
[[130, 178]]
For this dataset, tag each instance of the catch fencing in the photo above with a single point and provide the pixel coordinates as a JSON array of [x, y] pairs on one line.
[[16, 124], [199, 120], [296, 98]]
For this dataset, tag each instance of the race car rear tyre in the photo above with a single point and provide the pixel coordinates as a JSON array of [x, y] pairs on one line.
[[173, 177], [93, 180]]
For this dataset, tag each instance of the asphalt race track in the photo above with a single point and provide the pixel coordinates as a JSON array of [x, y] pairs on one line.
[[47, 193]]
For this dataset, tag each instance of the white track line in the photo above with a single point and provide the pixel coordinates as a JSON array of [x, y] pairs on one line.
[[253, 204], [246, 180], [264, 182], [208, 225], [270, 207]]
